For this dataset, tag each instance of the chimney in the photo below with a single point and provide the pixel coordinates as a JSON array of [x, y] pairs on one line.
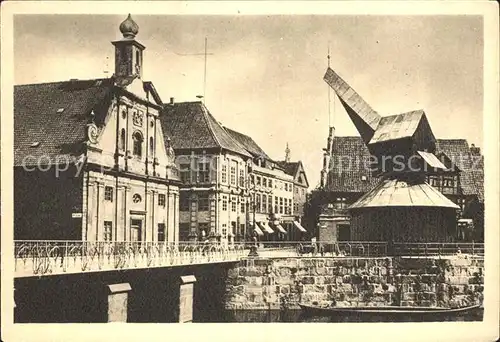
[[475, 151], [172, 100]]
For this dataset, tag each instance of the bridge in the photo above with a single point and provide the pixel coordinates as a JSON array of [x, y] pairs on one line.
[[45, 258]]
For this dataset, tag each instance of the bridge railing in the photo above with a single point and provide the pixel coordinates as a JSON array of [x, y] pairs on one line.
[[58, 257], [43, 257], [437, 248]]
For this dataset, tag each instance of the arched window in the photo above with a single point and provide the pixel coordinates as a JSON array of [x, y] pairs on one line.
[[137, 144], [151, 146], [122, 139]]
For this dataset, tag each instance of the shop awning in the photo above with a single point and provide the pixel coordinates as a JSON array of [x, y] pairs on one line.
[[280, 228], [299, 227], [258, 230], [266, 227]]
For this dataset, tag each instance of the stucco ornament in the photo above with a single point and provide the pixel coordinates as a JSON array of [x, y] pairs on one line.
[[170, 152], [137, 118], [92, 133]]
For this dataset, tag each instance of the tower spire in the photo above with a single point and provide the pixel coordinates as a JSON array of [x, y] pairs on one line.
[[287, 153]]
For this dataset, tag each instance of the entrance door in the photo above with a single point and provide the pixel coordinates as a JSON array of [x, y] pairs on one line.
[[136, 230], [344, 232]]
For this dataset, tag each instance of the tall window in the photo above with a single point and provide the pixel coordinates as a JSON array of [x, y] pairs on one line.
[[286, 186], [257, 203], [242, 177], [224, 173], [137, 137], [122, 139], [108, 230], [233, 173], [281, 205], [270, 203], [276, 207], [264, 182], [233, 205], [264, 203], [258, 180], [242, 207], [108, 193], [161, 232], [270, 183], [203, 172], [185, 173], [224, 203], [161, 200], [151, 146], [203, 202]]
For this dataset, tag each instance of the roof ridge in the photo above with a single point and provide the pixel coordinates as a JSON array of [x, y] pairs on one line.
[[211, 130]]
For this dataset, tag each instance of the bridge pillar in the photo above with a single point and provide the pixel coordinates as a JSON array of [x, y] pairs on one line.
[[186, 299], [118, 302]]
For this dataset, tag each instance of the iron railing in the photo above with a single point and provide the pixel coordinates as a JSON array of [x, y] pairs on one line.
[[437, 248], [44, 257], [58, 257]]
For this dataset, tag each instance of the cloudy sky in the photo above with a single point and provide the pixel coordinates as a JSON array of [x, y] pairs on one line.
[[265, 73]]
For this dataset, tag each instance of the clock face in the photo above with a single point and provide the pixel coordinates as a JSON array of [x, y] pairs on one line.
[[136, 198]]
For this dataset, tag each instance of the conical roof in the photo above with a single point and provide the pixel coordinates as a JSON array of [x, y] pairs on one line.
[[401, 193]]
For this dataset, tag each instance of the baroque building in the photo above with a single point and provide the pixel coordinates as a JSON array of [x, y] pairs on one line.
[[90, 159]]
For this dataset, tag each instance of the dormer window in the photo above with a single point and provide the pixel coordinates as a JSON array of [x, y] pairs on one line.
[[137, 137]]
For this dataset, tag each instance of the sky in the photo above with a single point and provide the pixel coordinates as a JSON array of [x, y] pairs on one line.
[[265, 73]]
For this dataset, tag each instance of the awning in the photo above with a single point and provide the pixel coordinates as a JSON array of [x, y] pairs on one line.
[[280, 228], [258, 230], [266, 227], [432, 160], [299, 227]]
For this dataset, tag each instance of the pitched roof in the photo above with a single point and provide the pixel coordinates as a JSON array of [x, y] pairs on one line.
[[347, 171], [399, 193], [471, 166], [290, 168], [53, 117], [190, 125], [349, 155], [397, 126], [248, 143]]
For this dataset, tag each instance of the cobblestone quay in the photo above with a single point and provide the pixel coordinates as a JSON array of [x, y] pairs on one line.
[[274, 283]]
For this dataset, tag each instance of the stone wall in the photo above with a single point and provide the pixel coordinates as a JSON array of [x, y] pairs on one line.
[[284, 282]]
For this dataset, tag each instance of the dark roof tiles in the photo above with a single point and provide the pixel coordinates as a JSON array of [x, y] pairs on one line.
[[190, 125], [50, 119], [350, 157]]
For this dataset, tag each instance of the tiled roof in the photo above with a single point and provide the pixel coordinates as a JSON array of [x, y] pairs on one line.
[[290, 168], [471, 166], [53, 117], [190, 125], [398, 193], [347, 166], [248, 143]]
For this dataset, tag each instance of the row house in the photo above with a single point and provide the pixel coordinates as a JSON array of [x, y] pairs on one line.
[[213, 171], [90, 158], [272, 190]]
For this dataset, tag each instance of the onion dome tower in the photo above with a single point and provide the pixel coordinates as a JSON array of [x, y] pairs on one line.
[[128, 52]]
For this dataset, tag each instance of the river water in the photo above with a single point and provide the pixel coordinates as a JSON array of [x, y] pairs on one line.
[[276, 316]]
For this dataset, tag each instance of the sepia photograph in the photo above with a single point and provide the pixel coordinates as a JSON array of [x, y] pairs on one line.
[[250, 167]]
